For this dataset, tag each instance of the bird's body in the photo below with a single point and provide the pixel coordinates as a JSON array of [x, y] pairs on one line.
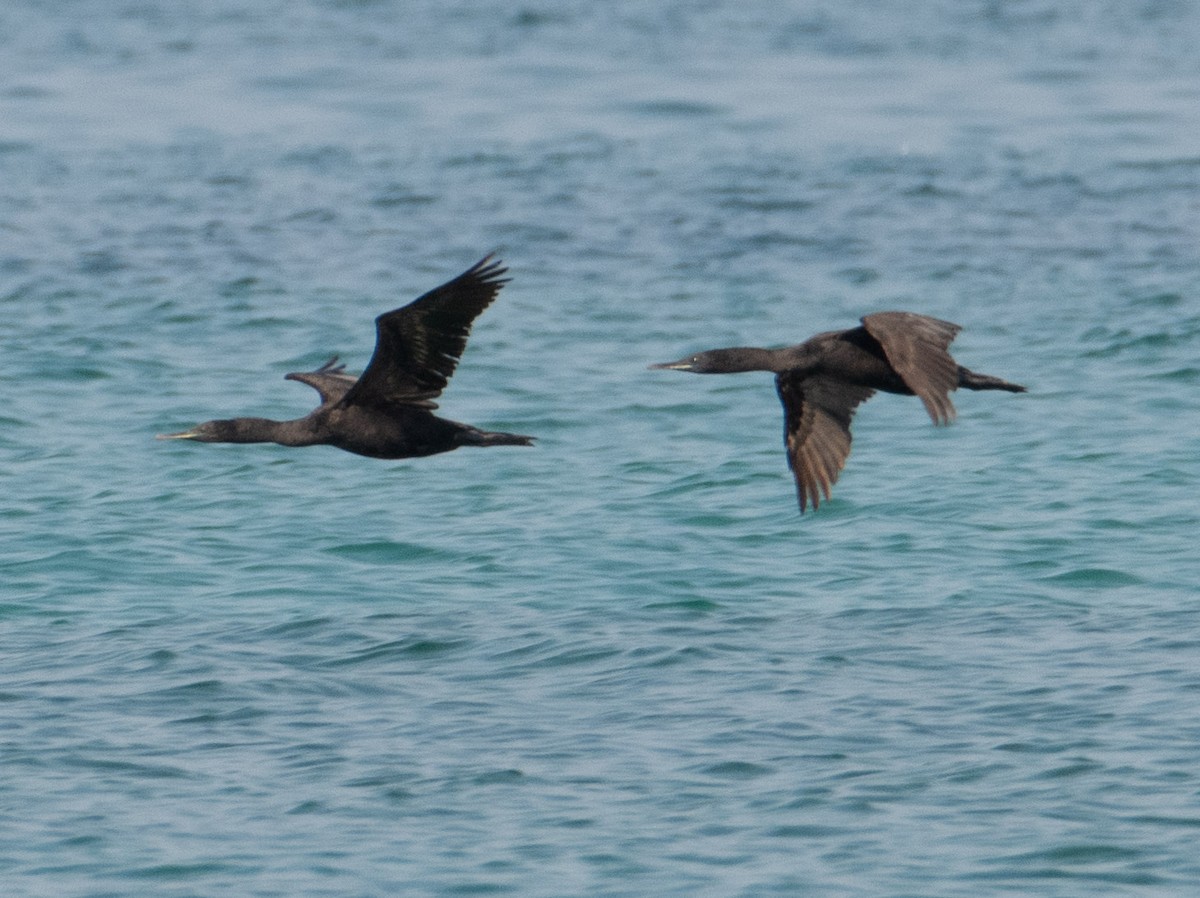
[[387, 412], [822, 381]]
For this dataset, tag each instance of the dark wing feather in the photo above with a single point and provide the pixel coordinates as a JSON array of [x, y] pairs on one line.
[[417, 347], [917, 346], [328, 380], [816, 429]]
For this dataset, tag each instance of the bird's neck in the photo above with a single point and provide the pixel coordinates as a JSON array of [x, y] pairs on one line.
[[752, 358], [264, 430]]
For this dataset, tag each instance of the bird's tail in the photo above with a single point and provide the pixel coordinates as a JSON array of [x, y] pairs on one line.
[[972, 381], [476, 437]]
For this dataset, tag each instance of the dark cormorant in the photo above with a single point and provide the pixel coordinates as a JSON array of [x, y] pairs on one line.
[[822, 380], [387, 411]]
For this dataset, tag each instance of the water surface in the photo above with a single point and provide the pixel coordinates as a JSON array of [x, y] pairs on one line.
[[620, 663]]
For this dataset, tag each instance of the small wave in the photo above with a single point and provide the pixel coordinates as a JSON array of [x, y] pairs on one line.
[[1094, 577], [389, 552]]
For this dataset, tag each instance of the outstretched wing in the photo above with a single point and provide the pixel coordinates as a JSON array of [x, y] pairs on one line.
[[417, 347], [328, 380], [816, 429], [917, 346]]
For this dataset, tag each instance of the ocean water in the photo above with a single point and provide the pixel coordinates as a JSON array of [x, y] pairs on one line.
[[620, 663]]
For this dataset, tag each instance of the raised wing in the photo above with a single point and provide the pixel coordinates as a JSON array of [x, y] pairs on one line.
[[417, 347], [917, 347], [816, 430], [328, 380]]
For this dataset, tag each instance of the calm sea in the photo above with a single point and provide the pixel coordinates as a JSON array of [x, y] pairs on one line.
[[620, 663]]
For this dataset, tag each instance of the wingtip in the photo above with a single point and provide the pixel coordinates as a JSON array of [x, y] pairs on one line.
[[331, 366], [491, 268]]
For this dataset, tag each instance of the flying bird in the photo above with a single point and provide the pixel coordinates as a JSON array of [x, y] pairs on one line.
[[822, 381], [387, 412]]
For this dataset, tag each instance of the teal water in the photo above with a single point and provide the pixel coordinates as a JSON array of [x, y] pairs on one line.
[[619, 663]]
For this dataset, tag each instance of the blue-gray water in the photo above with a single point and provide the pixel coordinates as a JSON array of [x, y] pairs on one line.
[[619, 663]]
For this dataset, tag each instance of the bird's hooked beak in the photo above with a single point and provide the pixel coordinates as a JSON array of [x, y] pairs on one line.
[[182, 435], [687, 364]]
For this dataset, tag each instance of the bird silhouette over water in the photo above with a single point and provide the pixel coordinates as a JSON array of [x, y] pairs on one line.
[[822, 381], [386, 412]]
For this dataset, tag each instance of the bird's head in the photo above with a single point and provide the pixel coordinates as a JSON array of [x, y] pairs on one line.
[[224, 431], [718, 361]]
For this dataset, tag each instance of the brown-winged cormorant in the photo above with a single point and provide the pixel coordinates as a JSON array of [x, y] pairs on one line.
[[387, 411], [822, 381]]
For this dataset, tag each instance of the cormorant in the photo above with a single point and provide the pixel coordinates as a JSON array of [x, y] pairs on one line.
[[822, 381], [387, 411]]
